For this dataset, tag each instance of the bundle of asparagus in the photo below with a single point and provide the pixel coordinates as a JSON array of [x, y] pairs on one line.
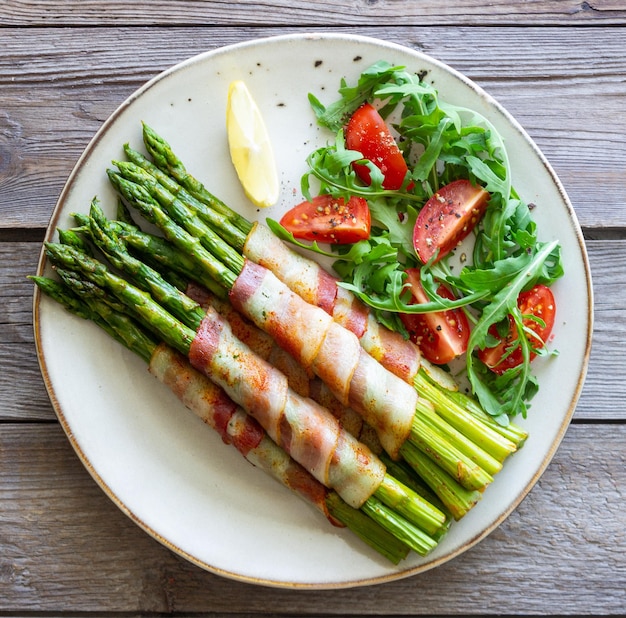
[[201, 230], [180, 270], [409, 415]]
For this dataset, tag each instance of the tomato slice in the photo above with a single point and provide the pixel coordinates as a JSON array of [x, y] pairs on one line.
[[329, 219], [442, 335], [369, 134], [538, 302], [447, 218]]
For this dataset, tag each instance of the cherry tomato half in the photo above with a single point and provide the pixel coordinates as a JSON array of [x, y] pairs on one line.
[[537, 302], [447, 218], [441, 336], [368, 133], [329, 219]]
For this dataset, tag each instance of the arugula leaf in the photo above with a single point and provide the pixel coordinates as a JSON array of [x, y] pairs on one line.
[[503, 304], [287, 236], [428, 160], [335, 115], [398, 225], [504, 301]]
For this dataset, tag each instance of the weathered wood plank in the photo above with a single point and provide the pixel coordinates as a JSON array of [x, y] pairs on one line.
[[65, 545], [24, 397], [565, 85], [320, 12]]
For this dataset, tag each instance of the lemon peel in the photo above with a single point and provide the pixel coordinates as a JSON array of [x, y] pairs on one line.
[[250, 147]]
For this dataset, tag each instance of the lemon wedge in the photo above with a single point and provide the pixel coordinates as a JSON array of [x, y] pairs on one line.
[[250, 147]]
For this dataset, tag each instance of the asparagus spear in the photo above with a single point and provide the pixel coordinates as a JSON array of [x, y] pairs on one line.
[[406, 505], [228, 228], [90, 302], [458, 499], [179, 304], [154, 250], [165, 159]]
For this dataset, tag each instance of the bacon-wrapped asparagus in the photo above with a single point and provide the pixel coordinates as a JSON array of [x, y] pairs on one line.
[[300, 380], [346, 465], [386, 402]]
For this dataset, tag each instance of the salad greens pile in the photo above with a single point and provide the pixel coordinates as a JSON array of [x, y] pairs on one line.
[[442, 143]]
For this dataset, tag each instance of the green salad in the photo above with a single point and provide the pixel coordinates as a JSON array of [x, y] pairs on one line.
[[405, 183]]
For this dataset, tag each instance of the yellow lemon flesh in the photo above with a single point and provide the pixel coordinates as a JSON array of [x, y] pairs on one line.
[[250, 147]]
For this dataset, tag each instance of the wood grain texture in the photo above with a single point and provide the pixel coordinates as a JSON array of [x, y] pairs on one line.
[[566, 536], [326, 12], [565, 86], [557, 65], [25, 398]]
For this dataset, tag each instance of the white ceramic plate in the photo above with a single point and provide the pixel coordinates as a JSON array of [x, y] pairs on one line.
[[161, 465]]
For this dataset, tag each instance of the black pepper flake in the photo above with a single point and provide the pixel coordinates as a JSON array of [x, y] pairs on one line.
[[318, 63]]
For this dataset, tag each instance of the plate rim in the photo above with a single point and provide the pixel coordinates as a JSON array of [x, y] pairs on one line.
[[111, 494]]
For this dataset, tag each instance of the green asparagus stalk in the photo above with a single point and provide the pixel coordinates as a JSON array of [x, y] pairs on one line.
[[72, 237], [155, 251], [180, 212], [167, 294], [71, 293], [171, 331], [180, 337], [180, 305], [367, 529], [457, 499], [470, 453], [493, 442], [405, 474], [165, 159], [512, 432], [170, 189], [90, 302], [213, 265]]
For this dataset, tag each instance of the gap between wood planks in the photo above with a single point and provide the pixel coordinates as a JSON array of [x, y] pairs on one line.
[[37, 234]]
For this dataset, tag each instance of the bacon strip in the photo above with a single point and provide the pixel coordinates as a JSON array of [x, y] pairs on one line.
[[305, 430], [310, 281], [211, 404], [302, 382], [296, 326], [330, 351]]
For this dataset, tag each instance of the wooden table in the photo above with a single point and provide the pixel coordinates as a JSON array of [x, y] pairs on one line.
[[560, 69]]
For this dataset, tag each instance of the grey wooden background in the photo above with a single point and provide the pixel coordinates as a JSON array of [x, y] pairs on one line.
[[560, 69]]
